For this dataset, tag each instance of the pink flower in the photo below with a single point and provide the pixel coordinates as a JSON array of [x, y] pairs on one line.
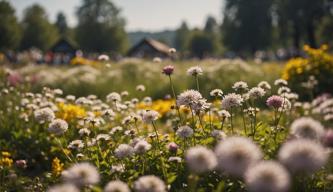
[[274, 101], [168, 70], [328, 138]]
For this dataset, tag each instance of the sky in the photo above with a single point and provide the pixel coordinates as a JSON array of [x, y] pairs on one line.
[[144, 15]]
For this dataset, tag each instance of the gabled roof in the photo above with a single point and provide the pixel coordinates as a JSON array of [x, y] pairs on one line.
[[64, 45], [158, 46]]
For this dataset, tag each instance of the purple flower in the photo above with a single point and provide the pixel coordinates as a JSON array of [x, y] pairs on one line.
[[168, 70], [274, 101], [172, 147], [328, 138]]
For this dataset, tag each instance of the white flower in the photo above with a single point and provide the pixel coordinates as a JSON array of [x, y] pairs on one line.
[[264, 85], [123, 151], [200, 159], [240, 86], [188, 98], [219, 135], [84, 132], [63, 188], [175, 159], [236, 154], [303, 156], [195, 71], [76, 144], [256, 92], [149, 183], [268, 176], [150, 115], [142, 147], [115, 130], [58, 127], [140, 88], [216, 93], [232, 100], [283, 90], [113, 97], [116, 186], [184, 131], [103, 137], [223, 114], [306, 127], [81, 174], [103, 57], [44, 115], [120, 168], [280, 82]]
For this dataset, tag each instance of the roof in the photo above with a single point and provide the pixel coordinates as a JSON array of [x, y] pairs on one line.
[[156, 45], [64, 45]]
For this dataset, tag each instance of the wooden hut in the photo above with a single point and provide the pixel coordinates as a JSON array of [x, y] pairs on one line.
[[62, 51], [149, 48]]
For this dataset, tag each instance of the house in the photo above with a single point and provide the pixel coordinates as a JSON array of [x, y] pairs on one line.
[[149, 48], [62, 51]]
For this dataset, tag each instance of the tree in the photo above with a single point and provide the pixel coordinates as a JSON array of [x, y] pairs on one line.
[[212, 30], [182, 37], [201, 45], [9, 28], [37, 30], [100, 28], [61, 24], [247, 25], [303, 15]]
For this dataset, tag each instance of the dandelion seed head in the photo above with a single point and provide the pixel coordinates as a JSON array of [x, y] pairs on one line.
[[200, 159], [302, 156], [81, 174], [306, 127], [268, 176], [116, 186], [149, 183], [236, 154]]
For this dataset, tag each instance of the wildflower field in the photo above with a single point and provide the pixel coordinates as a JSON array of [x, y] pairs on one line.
[[211, 125]]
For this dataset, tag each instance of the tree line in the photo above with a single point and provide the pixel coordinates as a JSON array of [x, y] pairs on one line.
[[247, 26], [100, 28]]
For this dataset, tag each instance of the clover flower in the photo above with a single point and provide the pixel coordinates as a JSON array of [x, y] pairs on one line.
[[189, 97], [149, 183], [142, 147], [113, 97], [44, 115], [195, 71], [123, 151], [232, 100], [81, 174], [184, 132], [256, 92], [216, 93], [280, 82], [168, 70], [275, 101], [149, 116], [200, 159], [58, 127], [240, 86], [264, 85]]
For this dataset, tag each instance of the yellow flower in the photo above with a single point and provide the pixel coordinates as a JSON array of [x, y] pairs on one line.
[[6, 162], [161, 106], [69, 112], [57, 167], [5, 154]]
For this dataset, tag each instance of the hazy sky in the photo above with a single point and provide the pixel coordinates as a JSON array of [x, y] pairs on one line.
[[149, 15]]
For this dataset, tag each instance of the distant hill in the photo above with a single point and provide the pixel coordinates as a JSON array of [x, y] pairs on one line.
[[163, 36]]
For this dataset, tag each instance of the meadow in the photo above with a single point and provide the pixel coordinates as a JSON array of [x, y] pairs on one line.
[[155, 126]]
